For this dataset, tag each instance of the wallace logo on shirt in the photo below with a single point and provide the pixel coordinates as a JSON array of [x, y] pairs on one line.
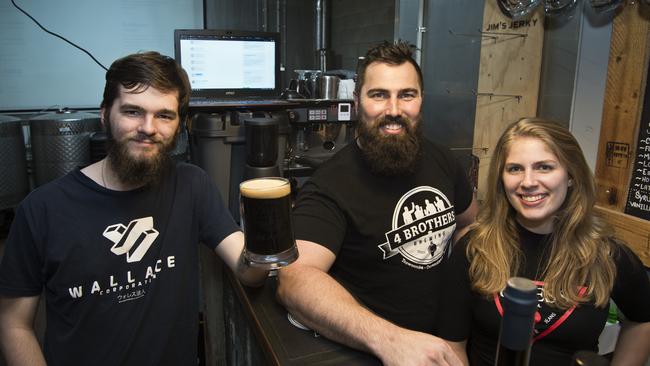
[[422, 226], [133, 240]]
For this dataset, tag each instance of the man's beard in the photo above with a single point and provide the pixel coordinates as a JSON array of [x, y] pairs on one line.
[[138, 172], [391, 155]]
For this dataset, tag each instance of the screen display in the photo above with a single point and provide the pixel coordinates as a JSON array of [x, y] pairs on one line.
[[229, 63]]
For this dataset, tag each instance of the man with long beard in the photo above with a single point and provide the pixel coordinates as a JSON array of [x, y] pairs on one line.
[[375, 222], [113, 246]]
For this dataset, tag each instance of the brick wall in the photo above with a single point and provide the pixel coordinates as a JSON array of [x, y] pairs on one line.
[[355, 26]]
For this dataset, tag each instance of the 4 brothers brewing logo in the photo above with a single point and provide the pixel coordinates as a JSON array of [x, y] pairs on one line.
[[422, 226]]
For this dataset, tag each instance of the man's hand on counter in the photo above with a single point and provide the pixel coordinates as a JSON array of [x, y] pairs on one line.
[[407, 347], [318, 301]]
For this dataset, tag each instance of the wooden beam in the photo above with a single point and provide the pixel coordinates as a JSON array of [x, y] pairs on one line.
[[634, 231], [509, 73], [625, 85]]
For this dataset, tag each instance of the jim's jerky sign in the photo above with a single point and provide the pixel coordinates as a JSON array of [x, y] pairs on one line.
[[510, 25]]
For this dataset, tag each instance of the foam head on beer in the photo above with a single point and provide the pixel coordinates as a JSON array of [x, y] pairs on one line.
[[265, 188]]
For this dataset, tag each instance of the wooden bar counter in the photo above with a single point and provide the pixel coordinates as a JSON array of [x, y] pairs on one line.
[[271, 339]]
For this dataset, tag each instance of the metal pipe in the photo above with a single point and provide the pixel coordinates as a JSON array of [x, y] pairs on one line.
[[319, 27], [281, 25], [323, 24], [421, 29], [323, 53], [321, 33]]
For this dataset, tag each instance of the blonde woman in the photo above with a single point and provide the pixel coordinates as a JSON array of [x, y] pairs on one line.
[[538, 222]]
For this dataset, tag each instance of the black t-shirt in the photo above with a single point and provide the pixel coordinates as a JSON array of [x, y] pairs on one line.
[[558, 333], [389, 234], [119, 270]]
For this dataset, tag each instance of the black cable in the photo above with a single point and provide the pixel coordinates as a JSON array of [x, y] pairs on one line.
[[205, 16], [56, 35]]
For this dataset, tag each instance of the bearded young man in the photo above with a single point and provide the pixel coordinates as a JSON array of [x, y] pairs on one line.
[[113, 246], [375, 223]]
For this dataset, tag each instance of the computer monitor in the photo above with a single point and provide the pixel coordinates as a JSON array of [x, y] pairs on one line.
[[229, 64]]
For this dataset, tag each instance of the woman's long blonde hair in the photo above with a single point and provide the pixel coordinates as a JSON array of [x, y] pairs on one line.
[[581, 243]]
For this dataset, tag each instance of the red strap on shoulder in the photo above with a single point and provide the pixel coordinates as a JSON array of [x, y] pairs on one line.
[[556, 324], [561, 320]]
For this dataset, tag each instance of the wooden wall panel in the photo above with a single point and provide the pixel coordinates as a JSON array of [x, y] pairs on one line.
[[626, 78], [509, 73], [634, 231], [626, 75]]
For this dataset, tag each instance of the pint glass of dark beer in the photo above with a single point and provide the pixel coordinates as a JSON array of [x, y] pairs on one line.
[[265, 206]]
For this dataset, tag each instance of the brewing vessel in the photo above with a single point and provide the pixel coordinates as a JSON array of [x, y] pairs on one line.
[[61, 142]]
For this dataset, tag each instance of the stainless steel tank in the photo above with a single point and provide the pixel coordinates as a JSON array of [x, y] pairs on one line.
[[14, 184], [61, 142]]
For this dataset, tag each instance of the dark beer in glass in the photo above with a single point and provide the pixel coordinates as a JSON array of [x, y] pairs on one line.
[[265, 206]]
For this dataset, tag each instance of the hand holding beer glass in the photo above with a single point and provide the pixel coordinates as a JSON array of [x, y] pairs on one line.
[[265, 207]]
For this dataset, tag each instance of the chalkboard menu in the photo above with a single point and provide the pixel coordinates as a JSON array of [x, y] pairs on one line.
[[638, 197]]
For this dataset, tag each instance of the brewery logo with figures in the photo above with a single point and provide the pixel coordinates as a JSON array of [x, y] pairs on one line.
[[422, 227]]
